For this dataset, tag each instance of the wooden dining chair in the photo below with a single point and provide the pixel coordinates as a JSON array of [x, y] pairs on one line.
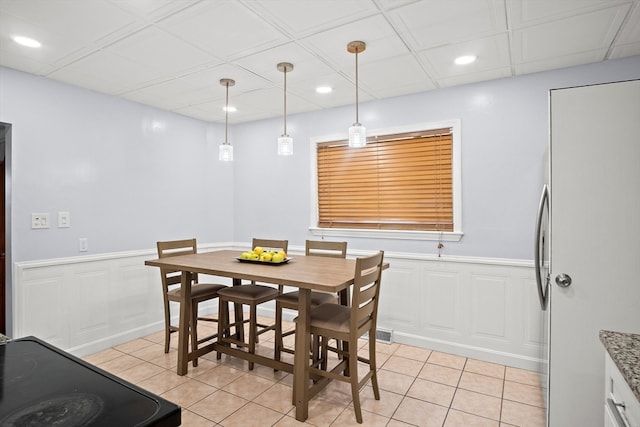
[[289, 300], [348, 324], [251, 295], [171, 292]]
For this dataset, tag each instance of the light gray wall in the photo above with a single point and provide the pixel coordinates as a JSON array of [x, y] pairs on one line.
[[128, 185], [504, 137], [128, 174]]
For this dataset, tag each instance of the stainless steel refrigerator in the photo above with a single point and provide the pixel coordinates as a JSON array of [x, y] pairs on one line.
[[588, 250]]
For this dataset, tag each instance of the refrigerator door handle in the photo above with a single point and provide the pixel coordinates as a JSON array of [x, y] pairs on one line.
[[542, 287]]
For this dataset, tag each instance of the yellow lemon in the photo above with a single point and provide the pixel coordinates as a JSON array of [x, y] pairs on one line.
[[258, 250], [266, 256]]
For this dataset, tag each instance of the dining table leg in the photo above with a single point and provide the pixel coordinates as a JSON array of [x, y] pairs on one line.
[[183, 328], [301, 356]]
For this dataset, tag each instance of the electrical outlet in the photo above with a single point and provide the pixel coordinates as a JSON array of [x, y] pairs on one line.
[[83, 244], [39, 220]]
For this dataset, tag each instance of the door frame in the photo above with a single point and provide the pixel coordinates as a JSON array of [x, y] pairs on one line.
[[6, 288]]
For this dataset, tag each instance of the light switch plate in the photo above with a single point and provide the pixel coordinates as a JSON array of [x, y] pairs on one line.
[[64, 219]]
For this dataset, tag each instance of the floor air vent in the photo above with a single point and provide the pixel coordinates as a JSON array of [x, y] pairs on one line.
[[384, 335]]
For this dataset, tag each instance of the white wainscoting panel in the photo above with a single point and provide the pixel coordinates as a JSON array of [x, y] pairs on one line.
[[481, 308]]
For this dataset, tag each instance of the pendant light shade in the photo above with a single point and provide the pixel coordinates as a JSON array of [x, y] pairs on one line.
[[285, 142], [357, 132], [225, 151]]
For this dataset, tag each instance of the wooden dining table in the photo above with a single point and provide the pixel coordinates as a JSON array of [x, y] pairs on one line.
[[306, 273]]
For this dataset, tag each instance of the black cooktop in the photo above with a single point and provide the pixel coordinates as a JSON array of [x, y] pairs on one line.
[[41, 385]]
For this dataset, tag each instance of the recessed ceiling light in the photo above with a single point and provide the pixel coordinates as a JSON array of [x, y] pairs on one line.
[[324, 89], [230, 109], [26, 41], [465, 59]]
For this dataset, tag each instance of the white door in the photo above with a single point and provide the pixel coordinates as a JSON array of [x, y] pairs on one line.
[[595, 240]]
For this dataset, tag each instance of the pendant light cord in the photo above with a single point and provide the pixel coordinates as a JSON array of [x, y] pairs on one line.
[[357, 120], [226, 114], [285, 100]]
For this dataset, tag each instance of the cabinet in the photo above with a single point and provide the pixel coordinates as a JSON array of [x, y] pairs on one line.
[[621, 408]]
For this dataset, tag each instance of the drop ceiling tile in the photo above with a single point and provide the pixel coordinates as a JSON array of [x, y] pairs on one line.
[[272, 102], [196, 112], [382, 42], [431, 23], [13, 59], [394, 4], [343, 89], [161, 51], [106, 72], [212, 112], [172, 94], [225, 29], [268, 100], [55, 46], [305, 64], [246, 81], [152, 10], [526, 13], [399, 75], [480, 76], [209, 79], [88, 21], [296, 104], [624, 50], [303, 18], [556, 62], [630, 33], [492, 53], [580, 33]]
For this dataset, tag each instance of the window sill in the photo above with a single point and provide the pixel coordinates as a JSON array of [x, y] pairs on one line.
[[447, 236]]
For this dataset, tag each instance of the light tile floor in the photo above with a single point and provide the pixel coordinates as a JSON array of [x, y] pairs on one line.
[[418, 387]]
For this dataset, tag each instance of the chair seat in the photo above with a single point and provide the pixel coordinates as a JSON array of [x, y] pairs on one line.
[[249, 294], [331, 316], [317, 298], [199, 290]]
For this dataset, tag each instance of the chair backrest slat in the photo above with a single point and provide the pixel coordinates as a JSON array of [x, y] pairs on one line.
[[271, 244], [175, 248], [325, 248], [366, 290]]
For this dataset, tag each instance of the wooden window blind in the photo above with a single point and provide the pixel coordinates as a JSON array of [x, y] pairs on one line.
[[395, 182]]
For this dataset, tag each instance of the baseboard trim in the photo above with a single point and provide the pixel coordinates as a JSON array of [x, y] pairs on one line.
[[480, 353]]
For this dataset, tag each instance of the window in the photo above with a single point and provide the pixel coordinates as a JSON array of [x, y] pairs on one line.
[[401, 184]]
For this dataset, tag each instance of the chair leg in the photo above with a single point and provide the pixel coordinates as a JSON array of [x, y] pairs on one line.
[[324, 354], [355, 392], [372, 366], [278, 333], [253, 328], [239, 320], [223, 322], [345, 349], [194, 330], [167, 327]]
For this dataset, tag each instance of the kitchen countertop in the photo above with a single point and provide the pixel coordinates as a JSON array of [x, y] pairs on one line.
[[624, 349]]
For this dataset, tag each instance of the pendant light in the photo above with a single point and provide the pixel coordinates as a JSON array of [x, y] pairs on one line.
[[225, 152], [285, 142], [357, 132]]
